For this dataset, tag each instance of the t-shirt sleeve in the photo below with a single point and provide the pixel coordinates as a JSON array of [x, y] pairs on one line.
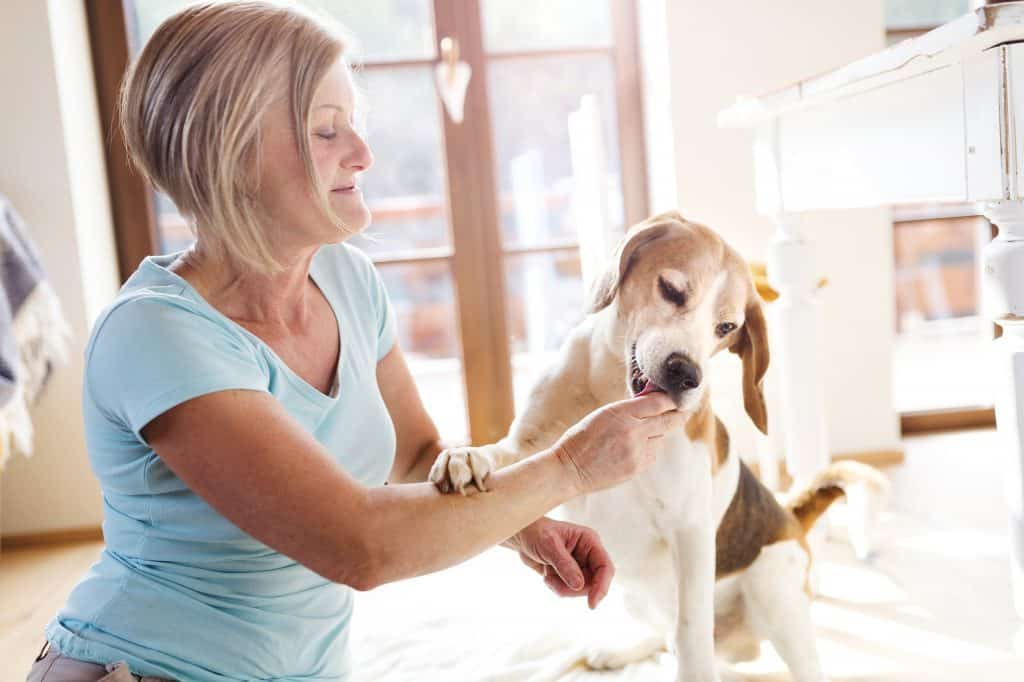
[[151, 354], [386, 328]]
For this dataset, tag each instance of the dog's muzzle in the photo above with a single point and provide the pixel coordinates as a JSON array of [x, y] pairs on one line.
[[675, 376], [681, 374]]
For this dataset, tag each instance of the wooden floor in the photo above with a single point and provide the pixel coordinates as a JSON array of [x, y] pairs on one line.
[[935, 607], [34, 582]]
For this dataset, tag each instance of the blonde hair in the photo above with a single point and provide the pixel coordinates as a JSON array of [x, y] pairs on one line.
[[192, 104]]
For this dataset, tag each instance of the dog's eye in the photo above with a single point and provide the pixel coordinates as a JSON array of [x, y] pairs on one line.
[[670, 293], [725, 328]]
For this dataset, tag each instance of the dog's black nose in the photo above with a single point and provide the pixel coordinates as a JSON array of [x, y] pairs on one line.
[[681, 374]]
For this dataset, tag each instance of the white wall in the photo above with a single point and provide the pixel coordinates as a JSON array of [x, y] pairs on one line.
[[655, 64], [718, 50], [51, 167]]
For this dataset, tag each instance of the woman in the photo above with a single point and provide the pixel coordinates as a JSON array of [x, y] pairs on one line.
[[246, 402]]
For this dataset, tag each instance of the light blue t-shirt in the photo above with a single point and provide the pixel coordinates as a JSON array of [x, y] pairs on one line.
[[180, 591]]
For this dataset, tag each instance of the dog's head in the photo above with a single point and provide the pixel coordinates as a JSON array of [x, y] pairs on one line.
[[682, 294]]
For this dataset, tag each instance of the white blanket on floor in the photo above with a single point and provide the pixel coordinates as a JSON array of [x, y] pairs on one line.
[[489, 620], [492, 620]]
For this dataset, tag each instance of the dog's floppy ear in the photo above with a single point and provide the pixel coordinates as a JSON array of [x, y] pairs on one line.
[[752, 347], [607, 285]]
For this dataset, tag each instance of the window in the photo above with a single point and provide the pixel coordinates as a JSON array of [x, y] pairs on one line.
[[922, 14], [908, 18], [477, 225], [940, 361]]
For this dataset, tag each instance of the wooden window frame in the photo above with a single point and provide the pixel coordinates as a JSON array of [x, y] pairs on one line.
[[131, 201], [476, 255]]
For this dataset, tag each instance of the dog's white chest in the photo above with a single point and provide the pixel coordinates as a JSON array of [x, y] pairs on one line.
[[639, 517], [678, 483], [680, 488]]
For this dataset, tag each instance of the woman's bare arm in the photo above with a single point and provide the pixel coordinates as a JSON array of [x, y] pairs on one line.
[[242, 453]]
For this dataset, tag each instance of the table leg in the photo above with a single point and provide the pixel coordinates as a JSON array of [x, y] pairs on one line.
[[793, 323], [1003, 301]]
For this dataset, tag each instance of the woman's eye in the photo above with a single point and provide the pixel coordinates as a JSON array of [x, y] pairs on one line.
[[326, 134], [725, 328]]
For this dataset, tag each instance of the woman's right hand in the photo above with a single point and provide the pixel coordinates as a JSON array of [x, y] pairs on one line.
[[614, 443]]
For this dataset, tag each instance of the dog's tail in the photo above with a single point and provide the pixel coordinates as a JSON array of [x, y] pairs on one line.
[[866, 491]]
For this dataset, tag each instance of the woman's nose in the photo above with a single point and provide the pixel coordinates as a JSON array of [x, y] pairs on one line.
[[360, 157]]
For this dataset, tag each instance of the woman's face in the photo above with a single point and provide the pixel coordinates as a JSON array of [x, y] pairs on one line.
[[339, 155]]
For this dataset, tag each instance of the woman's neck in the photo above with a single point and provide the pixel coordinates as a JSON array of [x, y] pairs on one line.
[[279, 299]]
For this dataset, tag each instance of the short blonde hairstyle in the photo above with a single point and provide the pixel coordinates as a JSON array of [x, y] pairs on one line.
[[192, 104]]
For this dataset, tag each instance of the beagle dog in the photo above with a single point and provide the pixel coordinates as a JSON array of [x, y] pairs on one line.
[[705, 552]]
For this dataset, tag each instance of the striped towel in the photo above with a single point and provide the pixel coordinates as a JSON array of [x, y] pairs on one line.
[[33, 332]]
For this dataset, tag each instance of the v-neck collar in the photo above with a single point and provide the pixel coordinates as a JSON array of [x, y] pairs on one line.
[[162, 262]]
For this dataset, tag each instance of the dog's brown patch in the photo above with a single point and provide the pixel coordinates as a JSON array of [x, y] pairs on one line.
[[705, 426], [753, 520], [752, 347], [831, 484]]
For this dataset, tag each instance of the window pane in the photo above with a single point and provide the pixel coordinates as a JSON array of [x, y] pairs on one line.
[[381, 30], [172, 229], [422, 295], [531, 100], [545, 301], [405, 187], [942, 340], [922, 13], [143, 16], [515, 25], [386, 30]]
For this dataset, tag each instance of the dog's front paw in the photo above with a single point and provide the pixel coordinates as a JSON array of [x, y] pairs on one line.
[[456, 468]]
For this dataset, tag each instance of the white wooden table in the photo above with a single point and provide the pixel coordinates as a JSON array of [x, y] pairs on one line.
[[936, 118]]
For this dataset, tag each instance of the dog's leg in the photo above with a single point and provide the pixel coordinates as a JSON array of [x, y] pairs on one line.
[[694, 557], [779, 609], [695, 625], [620, 639], [734, 640]]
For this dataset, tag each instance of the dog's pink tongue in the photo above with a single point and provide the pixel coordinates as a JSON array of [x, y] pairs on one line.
[[651, 387]]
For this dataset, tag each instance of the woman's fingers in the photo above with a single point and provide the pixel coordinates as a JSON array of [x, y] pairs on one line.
[[592, 555], [600, 585], [558, 586], [595, 589], [612, 443], [649, 405], [664, 423], [565, 566], [589, 561], [536, 566]]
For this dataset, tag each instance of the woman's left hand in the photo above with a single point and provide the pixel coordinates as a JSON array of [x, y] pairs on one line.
[[571, 558]]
